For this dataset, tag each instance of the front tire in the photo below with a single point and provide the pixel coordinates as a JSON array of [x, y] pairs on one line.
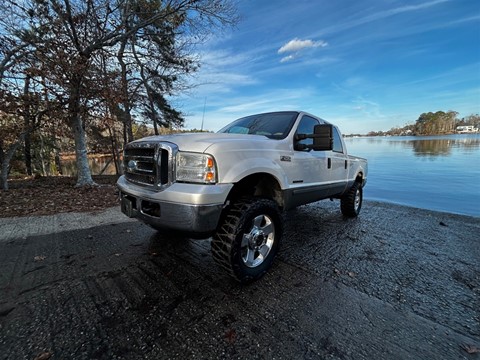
[[351, 202], [248, 238]]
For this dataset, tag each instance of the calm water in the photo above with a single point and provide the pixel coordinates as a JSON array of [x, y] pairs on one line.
[[97, 164], [435, 172]]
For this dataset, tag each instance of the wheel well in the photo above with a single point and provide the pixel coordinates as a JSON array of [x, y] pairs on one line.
[[258, 185], [359, 178]]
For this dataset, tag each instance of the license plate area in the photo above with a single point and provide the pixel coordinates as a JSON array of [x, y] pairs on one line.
[[128, 206]]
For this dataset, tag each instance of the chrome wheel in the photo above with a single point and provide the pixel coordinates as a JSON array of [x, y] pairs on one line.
[[358, 200], [248, 238], [257, 243]]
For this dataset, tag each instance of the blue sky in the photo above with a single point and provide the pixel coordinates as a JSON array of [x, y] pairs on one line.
[[363, 65]]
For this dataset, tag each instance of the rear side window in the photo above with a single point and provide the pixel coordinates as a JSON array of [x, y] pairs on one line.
[[337, 141]]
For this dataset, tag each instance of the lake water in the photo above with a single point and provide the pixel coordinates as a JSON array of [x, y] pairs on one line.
[[97, 165], [432, 172]]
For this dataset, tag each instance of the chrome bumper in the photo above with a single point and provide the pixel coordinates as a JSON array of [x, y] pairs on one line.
[[198, 216]]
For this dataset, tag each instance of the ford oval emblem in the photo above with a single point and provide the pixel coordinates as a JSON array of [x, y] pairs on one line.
[[132, 165]]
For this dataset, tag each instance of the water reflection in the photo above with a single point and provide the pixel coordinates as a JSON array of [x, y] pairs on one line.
[[441, 146], [430, 147], [97, 164], [423, 146]]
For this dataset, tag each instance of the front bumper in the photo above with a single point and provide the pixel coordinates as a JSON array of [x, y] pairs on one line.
[[197, 208]]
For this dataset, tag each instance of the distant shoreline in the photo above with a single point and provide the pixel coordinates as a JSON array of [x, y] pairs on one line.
[[409, 135]]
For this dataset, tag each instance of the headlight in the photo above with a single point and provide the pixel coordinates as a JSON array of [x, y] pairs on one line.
[[197, 168]]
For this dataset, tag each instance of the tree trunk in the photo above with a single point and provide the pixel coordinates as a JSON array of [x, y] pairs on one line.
[[106, 166], [58, 164], [152, 110], [6, 158], [27, 119], [28, 155], [115, 155], [127, 117], [4, 175], [41, 154], [84, 176], [3, 169]]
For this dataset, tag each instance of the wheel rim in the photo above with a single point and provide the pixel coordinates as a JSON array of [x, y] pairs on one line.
[[258, 241], [358, 199]]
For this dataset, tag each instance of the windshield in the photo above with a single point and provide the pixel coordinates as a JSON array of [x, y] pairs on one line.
[[275, 125]]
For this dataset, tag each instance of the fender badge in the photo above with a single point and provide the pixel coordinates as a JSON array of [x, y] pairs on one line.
[[285, 158]]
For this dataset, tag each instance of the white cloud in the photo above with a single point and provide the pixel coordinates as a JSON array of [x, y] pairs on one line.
[[287, 58], [296, 45]]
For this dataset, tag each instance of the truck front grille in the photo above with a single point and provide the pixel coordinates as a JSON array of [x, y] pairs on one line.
[[149, 164]]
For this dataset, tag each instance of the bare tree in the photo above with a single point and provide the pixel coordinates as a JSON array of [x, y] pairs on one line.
[[86, 28], [69, 39]]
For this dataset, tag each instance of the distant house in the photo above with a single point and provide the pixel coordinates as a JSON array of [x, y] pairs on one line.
[[406, 132], [466, 129]]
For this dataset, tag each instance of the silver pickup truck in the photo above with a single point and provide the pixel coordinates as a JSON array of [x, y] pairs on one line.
[[233, 185]]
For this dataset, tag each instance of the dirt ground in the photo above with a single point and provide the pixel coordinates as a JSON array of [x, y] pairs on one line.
[[395, 283], [56, 194]]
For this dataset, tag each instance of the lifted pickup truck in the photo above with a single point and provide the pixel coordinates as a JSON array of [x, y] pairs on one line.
[[234, 185]]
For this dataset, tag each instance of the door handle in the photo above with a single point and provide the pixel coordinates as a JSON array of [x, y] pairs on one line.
[[329, 163]]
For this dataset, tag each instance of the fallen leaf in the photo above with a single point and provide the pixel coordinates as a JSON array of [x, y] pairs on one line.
[[39, 258], [230, 335], [351, 274], [44, 355], [470, 349]]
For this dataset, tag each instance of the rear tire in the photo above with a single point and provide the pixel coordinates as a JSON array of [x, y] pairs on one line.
[[351, 202], [248, 238]]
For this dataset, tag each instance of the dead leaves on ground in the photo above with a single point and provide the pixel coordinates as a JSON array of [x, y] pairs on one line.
[[51, 195]]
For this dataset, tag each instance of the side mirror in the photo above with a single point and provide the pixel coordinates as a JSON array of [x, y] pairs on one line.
[[322, 138]]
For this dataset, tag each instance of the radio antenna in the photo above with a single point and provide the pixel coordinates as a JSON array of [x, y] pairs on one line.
[[203, 117]]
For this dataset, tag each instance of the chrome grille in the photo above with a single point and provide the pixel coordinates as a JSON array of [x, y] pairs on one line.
[[149, 164]]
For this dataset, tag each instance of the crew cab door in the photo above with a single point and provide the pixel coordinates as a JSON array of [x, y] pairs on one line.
[[316, 174], [307, 172], [337, 160]]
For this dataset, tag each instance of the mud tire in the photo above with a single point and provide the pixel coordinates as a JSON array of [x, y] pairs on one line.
[[351, 202], [248, 238]]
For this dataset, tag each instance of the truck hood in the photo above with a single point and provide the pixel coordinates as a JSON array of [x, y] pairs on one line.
[[200, 142]]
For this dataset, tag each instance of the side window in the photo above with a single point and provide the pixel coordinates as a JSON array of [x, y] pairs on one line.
[[306, 127], [337, 141]]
